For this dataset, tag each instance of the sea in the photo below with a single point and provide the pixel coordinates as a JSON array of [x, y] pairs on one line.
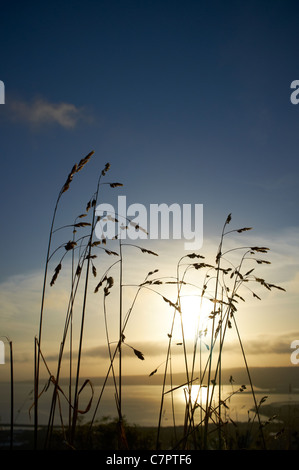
[[141, 404]]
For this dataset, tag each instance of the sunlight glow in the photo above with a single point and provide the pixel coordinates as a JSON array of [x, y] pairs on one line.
[[195, 314], [198, 395]]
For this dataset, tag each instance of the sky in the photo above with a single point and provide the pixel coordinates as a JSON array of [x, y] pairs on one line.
[[190, 103]]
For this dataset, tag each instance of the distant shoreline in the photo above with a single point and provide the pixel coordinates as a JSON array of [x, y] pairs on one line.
[[274, 379]]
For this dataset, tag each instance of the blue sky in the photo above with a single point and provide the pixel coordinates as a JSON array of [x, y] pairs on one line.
[[189, 102]]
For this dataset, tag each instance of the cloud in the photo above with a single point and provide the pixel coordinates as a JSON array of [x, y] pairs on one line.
[[261, 344], [266, 344], [257, 346], [41, 112]]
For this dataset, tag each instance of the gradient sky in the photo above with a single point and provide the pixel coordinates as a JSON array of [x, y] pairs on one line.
[[189, 101]]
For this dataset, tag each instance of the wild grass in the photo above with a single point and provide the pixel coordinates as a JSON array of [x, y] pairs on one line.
[[223, 282]]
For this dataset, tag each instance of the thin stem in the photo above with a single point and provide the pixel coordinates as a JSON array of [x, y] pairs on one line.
[[37, 367], [109, 346], [75, 412], [250, 381], [68, 321], [11, 395], [212, 335], [125, 321], [164, 381], [219, 385], [168, 355], [120, 332]]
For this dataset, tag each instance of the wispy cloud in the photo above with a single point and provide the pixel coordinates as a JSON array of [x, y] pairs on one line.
[[266, 344], [41, 112], [258, 345]]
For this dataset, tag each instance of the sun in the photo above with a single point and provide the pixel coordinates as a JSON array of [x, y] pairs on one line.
[[199, 395], [195, 314]]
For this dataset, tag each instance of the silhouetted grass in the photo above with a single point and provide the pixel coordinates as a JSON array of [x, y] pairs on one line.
[[224, 283]]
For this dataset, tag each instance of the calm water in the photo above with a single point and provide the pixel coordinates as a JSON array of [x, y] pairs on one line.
[[141, 404]]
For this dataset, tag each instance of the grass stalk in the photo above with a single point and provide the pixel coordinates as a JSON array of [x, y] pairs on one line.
[[218, 260], [120, 334], [251, 384], [11, 394], [39, 340], [76, 397], [65, 187]]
